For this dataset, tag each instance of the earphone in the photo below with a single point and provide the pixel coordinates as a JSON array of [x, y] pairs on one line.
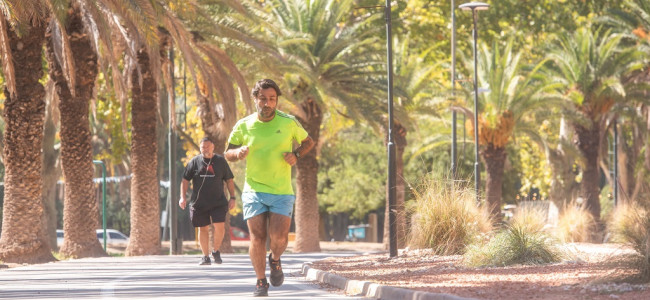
[[198, 193]]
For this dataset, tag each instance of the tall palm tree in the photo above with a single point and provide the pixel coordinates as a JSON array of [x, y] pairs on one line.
[[325, 61], [145, 236], [634, 20], [590, 67], [211, 69], [505, 110], [22, 35], [80, 210]]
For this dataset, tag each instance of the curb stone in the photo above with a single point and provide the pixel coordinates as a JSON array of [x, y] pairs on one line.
[[371, 290]]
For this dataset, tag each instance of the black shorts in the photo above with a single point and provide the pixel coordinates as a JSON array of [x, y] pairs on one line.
[[201, 218]]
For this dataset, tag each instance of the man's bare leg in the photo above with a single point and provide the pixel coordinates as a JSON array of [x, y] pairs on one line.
[[204, 239], [279, 231], [219, 229], [257, 249]]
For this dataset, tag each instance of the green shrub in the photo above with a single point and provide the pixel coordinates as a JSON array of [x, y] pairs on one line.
[[445, 217], [523, 241], [630, 224], [575, 225]]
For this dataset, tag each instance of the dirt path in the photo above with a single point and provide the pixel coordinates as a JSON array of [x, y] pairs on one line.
[[592, 273]]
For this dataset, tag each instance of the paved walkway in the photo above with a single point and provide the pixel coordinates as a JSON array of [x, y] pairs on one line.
[[160, 277]]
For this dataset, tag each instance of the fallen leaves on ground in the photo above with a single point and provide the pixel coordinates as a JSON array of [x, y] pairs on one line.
[[591, 271]]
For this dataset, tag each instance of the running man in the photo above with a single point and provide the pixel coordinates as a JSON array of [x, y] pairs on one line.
[[265, 139]]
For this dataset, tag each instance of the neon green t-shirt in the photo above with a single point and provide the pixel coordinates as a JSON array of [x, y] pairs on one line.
[[266, 170]]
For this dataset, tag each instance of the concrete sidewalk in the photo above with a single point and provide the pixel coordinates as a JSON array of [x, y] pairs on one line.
[[160, 277]]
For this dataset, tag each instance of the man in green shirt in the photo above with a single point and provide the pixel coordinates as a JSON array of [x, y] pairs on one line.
[[265, 139]]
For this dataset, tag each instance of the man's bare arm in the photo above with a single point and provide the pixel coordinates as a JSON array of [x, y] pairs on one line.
[[305, 146], [230, 184], [184, 186]]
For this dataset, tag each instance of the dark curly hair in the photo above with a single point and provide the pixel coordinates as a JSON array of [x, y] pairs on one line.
[[265, 84]]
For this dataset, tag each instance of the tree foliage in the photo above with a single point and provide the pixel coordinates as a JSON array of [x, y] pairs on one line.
[[351, 178]]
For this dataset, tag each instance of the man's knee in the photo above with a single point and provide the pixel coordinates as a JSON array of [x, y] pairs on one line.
[[279, 237], [258, 239]]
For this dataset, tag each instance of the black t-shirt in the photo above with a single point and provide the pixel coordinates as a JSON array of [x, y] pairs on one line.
[[208, 176]]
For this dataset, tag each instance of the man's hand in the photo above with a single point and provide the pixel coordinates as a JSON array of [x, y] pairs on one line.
[[231, 204], [290, 158], [182, 203], [242, 152]]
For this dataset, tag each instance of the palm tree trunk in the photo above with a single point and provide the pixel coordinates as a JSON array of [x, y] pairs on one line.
[[23, 238], [80, 208], [563, 185], [495, 159], [627, 157], [588, 141], [307, 217], [145, 202]]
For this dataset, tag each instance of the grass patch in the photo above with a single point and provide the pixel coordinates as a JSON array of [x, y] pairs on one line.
[[58, 255], [630, 224], [523, 241], [445, 217], [575, 225]]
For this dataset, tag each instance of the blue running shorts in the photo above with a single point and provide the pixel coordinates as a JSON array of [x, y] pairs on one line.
[[255, 203]]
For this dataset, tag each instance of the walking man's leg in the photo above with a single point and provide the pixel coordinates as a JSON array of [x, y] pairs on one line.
[[204, 242], [219, 229]]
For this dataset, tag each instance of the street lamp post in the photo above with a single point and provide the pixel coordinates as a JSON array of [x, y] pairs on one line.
[[474, 7], [392, 180], [454, 159], [175, 244], [392, 192], [616, 163]]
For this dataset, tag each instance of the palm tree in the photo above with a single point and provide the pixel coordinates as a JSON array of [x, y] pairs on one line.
[[80, 210], [211, 69], [325, 60], [590, 67], [504, 111], [634, 21], [21, 43], [145, 236]]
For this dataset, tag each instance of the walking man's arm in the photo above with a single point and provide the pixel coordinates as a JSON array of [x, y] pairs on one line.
[[230, 184], [184, 185]]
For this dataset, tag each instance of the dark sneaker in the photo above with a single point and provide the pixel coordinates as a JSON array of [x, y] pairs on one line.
[[217, 257], [205, 261], [277, 276], [261, 288]]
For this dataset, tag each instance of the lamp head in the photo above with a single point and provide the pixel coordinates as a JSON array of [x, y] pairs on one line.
[[474, 6]]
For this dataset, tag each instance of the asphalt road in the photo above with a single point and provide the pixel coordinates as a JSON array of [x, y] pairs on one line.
[[160, 277]]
